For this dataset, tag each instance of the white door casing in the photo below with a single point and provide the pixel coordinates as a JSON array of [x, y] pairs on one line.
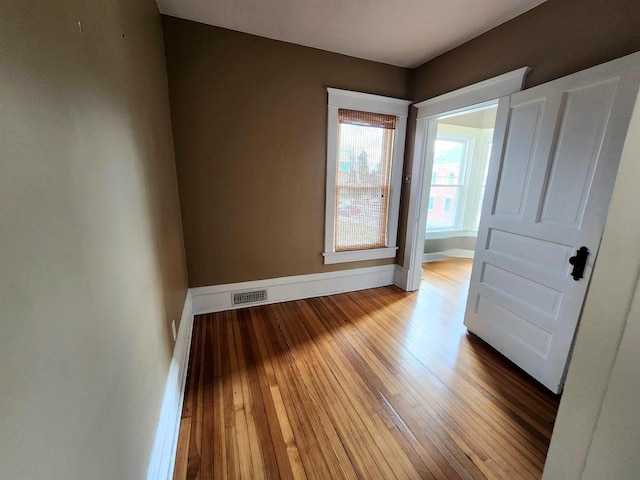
[[457, 101], [556, 152]]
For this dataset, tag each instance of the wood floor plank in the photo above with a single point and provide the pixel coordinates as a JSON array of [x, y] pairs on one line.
[[322, 453], [182, 453], [275, 426], [354, 435], [456, 384], [357, 396], [378, 383]]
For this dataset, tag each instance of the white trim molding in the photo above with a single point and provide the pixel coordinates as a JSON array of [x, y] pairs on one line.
[[357, 255], [163, 455], [400, 277], [487, 90], [218, 298], [367, 103], [446, 254], [450, 233], [464, 99]]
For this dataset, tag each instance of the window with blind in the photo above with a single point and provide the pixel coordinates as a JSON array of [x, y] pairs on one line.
[[364, 165], [363, 173]]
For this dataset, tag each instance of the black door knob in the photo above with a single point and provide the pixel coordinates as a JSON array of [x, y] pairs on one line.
[[579, 261]]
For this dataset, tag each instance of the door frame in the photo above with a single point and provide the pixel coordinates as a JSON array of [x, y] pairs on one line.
[[485, 92]]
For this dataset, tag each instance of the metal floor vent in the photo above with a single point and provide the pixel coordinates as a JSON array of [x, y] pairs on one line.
[[249, 297]]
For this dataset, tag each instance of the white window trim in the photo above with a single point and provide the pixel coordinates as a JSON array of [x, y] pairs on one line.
[[359, 255], [450, 233], [366, 103]]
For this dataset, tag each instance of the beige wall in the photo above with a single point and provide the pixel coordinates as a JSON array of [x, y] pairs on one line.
[[479, 119], [249, 117], [91, 258]]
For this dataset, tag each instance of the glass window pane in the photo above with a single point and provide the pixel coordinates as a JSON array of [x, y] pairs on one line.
[[362, 180], [443, 213], [476, 224], [448, 161], [446, 179]]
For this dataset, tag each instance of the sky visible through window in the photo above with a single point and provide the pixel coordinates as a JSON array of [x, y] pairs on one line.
[[355, 139]]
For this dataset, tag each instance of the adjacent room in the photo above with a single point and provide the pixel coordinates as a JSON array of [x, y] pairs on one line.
[[248, 239], [459, 168]]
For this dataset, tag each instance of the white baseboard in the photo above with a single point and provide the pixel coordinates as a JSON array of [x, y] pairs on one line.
[[453, 253], [400, 277], [218, 298], [163, 455]]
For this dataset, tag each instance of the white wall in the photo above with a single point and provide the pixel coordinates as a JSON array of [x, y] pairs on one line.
[[597, 431], [615, 449]]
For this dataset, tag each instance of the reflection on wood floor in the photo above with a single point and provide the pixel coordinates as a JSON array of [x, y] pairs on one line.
[[379, 383]]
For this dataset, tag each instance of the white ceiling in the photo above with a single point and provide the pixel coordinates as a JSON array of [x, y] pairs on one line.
[[398, 32]]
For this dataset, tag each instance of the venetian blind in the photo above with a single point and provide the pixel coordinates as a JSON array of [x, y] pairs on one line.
[[363, 176]]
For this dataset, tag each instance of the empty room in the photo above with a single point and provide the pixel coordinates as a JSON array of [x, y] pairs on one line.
[[319, 240]]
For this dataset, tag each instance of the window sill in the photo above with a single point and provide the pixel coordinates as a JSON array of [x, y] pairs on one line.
[[450, 233], [359, 255]]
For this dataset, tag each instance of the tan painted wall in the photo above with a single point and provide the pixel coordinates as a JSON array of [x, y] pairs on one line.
[[555, 39], [91, 257], [249, 117]]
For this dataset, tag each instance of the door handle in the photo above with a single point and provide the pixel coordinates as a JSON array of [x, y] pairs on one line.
[[579, 261]]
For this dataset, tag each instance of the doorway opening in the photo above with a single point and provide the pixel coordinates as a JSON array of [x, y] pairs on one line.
[[459, 160]]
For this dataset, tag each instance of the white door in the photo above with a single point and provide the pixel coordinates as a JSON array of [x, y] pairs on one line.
[[556, 154]]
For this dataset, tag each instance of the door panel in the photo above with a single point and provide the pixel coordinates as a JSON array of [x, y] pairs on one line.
[[550, 181], [519, 328], [582, 129], [525, 123], [525, 249], [542, 298]]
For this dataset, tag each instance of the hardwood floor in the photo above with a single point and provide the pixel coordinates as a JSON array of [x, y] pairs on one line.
[[373, 384]]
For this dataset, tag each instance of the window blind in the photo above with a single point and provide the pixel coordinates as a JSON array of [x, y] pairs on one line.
[[363, 176]]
